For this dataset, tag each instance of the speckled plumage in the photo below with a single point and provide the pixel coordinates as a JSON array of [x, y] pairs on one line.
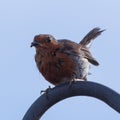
[[63, 60]]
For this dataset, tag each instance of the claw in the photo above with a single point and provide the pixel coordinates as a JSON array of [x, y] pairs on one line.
[[46, 91], [71, 82], [75, 80]]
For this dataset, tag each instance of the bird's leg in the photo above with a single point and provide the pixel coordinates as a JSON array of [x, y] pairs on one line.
[[71, 82], [85, 78], [46, 91], [74, 80]]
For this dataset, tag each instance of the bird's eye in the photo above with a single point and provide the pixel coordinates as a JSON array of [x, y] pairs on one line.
[[48, 39]]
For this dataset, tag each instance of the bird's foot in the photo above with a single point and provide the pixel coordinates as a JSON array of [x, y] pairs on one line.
[[71, 82], [75, 80], [46, 91]]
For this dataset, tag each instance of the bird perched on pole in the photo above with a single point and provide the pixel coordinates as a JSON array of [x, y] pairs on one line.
[[63, 60]]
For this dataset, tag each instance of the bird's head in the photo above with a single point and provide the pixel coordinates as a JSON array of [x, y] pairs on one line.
[[44, 41], [45, 44]]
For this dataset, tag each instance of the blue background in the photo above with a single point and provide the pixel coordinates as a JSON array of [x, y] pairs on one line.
[[20, 81]]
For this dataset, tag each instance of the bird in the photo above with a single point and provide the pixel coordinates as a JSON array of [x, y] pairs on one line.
[[63, 60]]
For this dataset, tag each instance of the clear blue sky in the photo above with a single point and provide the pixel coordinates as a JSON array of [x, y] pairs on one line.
[[20, 81]]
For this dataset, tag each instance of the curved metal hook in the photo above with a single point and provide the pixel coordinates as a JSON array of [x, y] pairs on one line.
[[79, 88]]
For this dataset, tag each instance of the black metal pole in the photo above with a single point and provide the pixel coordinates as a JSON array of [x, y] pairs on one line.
[[79, 88]]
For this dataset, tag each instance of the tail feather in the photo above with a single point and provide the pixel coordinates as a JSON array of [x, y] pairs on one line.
[[90, 36]]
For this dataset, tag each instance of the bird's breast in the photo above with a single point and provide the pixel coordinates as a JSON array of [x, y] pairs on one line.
[[56, 68]]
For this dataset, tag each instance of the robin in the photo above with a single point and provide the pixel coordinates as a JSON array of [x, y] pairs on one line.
[[63, 60]]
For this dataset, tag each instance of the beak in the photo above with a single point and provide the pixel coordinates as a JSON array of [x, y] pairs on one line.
[[34, 43]]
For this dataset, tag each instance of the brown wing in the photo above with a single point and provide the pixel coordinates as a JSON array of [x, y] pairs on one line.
[[72, 48], [86, 53], [69, 46]]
